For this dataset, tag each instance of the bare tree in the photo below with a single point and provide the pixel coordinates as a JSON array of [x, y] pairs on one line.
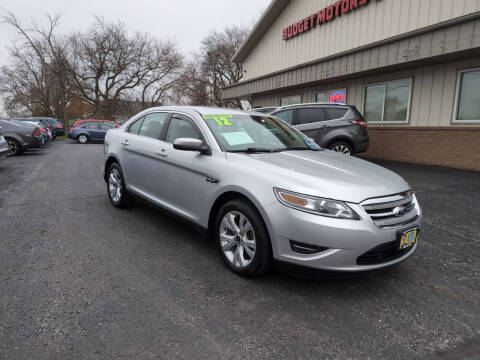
[[218, 49], [107, 65], [37, 79], [194, 85], [101, 68], [205, 79]]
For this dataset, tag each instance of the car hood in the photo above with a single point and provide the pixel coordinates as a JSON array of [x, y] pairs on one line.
[[323, 173]]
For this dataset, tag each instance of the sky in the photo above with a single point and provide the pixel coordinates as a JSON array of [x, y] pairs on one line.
[[185, 21]]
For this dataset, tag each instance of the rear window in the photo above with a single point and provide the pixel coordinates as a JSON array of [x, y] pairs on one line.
[[310, 115], [286, 116], [357, 113], [335, 113]]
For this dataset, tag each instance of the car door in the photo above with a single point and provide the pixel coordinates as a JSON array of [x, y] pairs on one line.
[[311, 122], [93, 131], [184, 172], [141, 155], [104, 127]]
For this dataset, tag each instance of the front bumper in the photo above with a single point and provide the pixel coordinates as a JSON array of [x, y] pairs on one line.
[[345, 240], [4, 149]]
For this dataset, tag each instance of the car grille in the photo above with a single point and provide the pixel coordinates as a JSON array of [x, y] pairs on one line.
[[383, 253], [392, 211]]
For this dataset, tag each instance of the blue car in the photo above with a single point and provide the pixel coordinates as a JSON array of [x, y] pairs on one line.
[[93, 132]]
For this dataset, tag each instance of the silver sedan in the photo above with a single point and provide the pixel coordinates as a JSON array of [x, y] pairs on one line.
[[262, 190]]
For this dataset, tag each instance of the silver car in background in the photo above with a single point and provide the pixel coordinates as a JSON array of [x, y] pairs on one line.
[[20, 138], [263, 190], [4, 149]]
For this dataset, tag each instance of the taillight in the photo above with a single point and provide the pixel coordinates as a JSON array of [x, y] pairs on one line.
[[35, 132], [59, 126], [361, 123], [42, 130], [71, 129]]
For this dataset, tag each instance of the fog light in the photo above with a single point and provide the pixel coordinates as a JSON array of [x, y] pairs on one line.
[[306, 249]]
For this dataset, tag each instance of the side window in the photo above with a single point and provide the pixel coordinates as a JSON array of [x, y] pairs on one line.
[[135, 127], [286, 116], [106, 126], [91, 126], [181, 128], [152, 125], [333, 113], [310, 115]]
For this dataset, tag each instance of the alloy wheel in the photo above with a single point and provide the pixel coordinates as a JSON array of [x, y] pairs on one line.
[[12, 145], [82, 139], [342, 149], [115, 185], [237, 239]]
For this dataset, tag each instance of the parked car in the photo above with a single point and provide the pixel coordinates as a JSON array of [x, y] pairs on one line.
[[341, 128], [20, 138], [263, 190], [44, 129], [265, 110], [40, 129], [84, 121], [46, 124], [4, 149], [56, 126], [94, 131]]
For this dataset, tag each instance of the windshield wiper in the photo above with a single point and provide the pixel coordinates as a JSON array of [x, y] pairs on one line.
[[252, 150], [301, 148]]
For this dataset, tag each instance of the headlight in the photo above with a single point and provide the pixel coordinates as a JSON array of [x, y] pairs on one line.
[[316, 205]]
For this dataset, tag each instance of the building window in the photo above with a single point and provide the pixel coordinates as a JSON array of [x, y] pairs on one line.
[[290, 100], [338, 96], [467, 104], [388, 102]]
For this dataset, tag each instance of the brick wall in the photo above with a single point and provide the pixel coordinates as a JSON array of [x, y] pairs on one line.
[[457, 147]]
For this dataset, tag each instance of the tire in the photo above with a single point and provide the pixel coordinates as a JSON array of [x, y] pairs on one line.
[[342, 147], [82, 139], [237, 251], [15, 147], [116, 190]]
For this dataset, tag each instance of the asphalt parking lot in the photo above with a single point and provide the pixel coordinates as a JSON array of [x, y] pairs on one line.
[[81, 279]]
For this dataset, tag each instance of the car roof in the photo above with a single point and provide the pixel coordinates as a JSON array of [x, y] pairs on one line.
[[202, 110], [320, 104]]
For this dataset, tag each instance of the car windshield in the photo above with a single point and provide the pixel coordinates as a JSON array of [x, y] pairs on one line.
[[250, 133]]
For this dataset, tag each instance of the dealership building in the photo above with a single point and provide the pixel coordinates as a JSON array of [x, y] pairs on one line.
[[412, 67]]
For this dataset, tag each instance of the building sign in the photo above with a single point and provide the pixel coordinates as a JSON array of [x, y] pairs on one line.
[[328, 14], [338, 97]]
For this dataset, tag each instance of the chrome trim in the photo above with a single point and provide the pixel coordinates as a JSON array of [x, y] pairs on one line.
[[390, 218]]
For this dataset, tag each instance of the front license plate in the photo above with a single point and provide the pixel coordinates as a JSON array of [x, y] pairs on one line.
[[408, 238]]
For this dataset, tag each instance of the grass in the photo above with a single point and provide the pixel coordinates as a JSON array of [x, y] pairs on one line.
[[64, 137]]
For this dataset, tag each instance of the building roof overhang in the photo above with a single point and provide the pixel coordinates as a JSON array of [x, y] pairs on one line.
[[263, 24]]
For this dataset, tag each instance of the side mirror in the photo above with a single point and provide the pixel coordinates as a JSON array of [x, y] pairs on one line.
[[187, 144]]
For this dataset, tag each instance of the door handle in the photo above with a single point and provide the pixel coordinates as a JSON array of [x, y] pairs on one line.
[[162, 153], [125, 142]]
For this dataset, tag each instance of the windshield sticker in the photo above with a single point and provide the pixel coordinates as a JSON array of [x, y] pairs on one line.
[[238, 138], [222, 120], [312, 145]]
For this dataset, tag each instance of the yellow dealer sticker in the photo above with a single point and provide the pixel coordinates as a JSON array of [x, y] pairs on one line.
[[222, 120]]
